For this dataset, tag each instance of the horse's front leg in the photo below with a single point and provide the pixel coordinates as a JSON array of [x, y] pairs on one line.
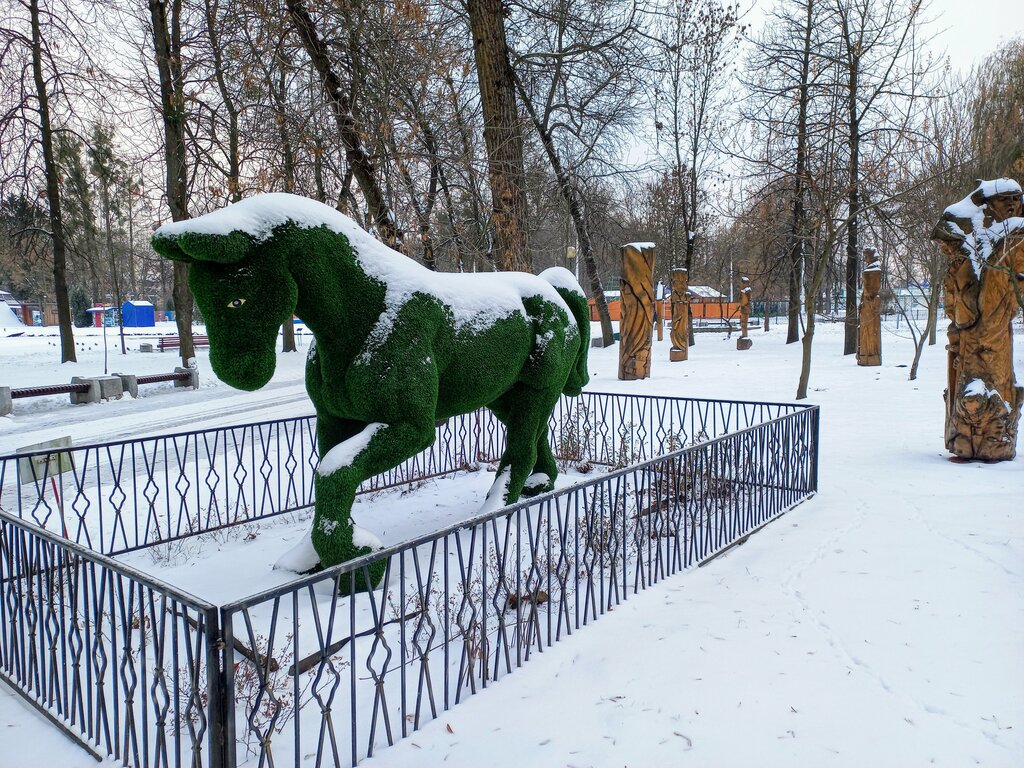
[[331, 431], [376, 448]]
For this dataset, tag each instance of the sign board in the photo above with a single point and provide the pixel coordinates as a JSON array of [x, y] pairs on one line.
[[33, 469]]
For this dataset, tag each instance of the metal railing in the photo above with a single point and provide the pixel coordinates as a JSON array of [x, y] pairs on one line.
[[118, 659], [299, 671]]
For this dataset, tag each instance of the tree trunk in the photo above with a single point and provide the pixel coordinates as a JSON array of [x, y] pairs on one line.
[[348, 131], [929, 331], [796, 244], [503, 136], [805, 358], [853, 212], [288, 172], [60, 282], [288, 336], [114, 272], [167, 47]]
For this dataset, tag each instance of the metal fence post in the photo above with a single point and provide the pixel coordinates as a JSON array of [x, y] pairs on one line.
[[217, 691], [815, 422]]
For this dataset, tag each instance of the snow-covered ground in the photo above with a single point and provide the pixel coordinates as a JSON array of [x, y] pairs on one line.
[[879, 624]]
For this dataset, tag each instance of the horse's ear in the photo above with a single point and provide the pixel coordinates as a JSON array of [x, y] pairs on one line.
[[198, 246]]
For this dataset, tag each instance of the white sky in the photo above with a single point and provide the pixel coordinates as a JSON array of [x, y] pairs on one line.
[[967, 31], [971, 31]]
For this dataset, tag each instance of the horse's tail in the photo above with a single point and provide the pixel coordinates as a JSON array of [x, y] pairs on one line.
[[563, 281]]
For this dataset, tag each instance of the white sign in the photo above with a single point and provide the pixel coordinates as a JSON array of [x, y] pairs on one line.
[[33, 469]]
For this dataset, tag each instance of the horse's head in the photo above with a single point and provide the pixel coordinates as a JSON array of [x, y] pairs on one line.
[[245, 292]]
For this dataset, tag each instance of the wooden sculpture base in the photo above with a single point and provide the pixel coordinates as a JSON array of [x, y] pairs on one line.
[[676, 355], [743, 343]]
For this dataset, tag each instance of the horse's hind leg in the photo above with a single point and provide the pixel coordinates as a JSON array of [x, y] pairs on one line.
[[525, 413], [545, 470]]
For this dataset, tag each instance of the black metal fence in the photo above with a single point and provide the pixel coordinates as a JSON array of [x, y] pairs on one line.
[[298, 671]]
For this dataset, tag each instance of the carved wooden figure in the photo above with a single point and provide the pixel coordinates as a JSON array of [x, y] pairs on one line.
[[984, 241], [744, 341], [869, 337], [636, 320], [680, 334]]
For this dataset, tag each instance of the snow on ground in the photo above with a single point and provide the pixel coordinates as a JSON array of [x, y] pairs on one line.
[[878, 624], [31, 358]]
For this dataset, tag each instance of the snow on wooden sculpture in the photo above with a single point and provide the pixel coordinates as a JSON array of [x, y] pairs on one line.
[[744, 341], [397, 348], [869, 337], [680, 334], [636, 319], [983, 237]]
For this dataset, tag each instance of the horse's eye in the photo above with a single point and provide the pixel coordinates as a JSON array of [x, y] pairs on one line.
[[236, 303]]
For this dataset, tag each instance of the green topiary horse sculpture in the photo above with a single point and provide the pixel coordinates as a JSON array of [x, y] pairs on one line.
[[397, 348]]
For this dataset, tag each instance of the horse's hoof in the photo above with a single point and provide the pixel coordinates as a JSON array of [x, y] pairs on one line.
[[301, 558], [364, 538], [536, 484]]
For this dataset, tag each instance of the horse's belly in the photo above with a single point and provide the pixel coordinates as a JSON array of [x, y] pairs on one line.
[[479, 373]]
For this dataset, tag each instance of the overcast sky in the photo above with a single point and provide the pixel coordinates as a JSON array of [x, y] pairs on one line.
[[972, 30], [969, 30]]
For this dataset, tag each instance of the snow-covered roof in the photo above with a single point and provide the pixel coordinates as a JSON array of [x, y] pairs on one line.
[[705, 292], [135, 303]]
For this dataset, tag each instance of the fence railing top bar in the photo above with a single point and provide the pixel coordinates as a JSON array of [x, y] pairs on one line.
[[353, 565], [108, 562], [271, 422], [713, 400]]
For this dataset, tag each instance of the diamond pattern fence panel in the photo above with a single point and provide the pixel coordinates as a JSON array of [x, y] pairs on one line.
[[465, 606], [134, 668]]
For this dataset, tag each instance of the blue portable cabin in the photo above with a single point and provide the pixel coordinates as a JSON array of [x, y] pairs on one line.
[[137, 314]]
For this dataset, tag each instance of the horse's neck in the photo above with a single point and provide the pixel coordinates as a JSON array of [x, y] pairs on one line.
[[339, 304]]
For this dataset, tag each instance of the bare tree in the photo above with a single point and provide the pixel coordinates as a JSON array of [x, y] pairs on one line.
[[358, 159], [875, 51], [578, 84], [39, 58]]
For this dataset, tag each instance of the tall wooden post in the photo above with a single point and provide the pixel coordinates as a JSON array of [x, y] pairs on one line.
[[744, 341], [680, 334], [869, 336], [636, 320], [985, 244]]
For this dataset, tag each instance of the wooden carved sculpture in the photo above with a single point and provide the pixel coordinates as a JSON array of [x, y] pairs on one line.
[[680, 334], [869, 337], [744, 341], [636, 321], [983, 237]]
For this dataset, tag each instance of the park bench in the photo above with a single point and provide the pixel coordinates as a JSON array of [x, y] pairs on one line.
[[174, 342]]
